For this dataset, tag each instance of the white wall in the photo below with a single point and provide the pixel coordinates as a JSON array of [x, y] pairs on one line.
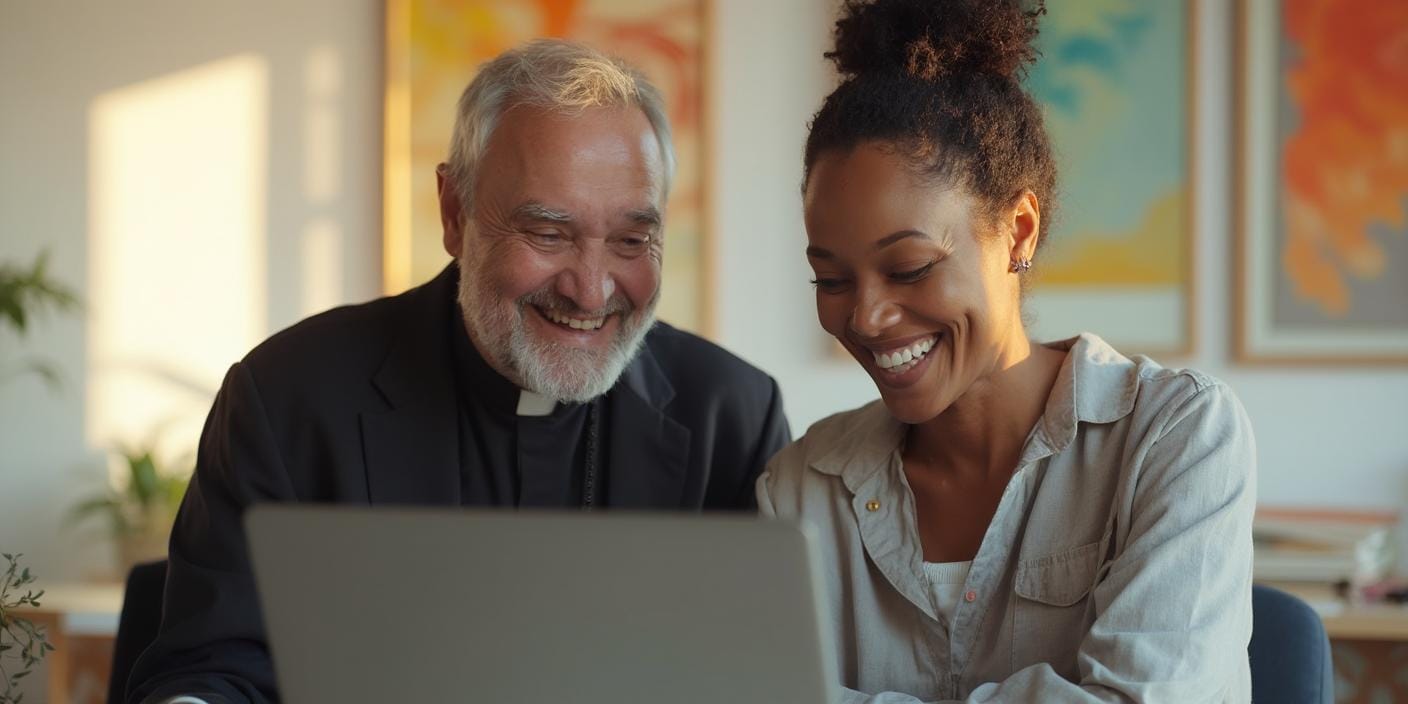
[[77, 75], [1326, 437], [770, 79]]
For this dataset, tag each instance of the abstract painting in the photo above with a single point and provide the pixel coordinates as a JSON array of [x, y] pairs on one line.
[[1323, 171], [435, 46], [1114, 80]]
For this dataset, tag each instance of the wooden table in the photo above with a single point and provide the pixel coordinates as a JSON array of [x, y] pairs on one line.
[[81, 624], [1345, 621]]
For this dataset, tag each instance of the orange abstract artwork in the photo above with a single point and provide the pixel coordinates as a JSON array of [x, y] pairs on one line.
[[1344, 162], [433, 50]]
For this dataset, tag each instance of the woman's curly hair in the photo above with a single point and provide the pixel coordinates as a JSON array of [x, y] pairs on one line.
[[941, 80]]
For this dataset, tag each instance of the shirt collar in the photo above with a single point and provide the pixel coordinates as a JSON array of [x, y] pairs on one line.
[[1096, 384]]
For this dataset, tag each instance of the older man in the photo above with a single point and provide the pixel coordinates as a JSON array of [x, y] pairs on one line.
[[529, 373]]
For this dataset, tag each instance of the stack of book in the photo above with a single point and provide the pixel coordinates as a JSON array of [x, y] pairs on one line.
[[1323, 547]]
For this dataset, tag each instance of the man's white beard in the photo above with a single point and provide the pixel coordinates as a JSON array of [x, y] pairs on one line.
[[561, 372]]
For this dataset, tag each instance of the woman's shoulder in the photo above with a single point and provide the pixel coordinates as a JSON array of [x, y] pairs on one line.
[[835, 439], [1141, 384], [1187, 422], [1159, 404], [1167, 394]]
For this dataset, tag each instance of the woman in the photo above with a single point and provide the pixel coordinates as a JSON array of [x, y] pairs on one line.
[[1011, 521]]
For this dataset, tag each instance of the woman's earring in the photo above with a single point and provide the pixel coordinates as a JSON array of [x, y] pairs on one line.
[[1020, 266]]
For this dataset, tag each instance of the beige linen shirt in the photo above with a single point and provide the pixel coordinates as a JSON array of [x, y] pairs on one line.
[[1116, 569]]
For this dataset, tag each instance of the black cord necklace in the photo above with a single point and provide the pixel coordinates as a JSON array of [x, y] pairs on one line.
[[589, 478]]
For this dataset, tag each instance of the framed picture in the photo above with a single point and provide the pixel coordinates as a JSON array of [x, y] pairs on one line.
[[433, 48], [1116, 83], [1322, 172]]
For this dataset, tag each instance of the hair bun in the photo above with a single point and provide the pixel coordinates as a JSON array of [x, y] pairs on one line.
[[934, 39]]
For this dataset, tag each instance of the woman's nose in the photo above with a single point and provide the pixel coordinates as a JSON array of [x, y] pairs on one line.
[[873, 315]]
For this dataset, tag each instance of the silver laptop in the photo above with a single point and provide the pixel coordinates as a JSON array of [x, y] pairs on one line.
[[382, 606]]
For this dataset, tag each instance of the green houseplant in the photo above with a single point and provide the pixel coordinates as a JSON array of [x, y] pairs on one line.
[[20, 639], [25, 293], [140, 513]]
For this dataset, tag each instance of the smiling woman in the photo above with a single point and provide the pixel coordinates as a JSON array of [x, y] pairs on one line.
[[1008, 512]]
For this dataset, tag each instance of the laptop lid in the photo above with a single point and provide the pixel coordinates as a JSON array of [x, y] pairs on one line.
[[375, 605]]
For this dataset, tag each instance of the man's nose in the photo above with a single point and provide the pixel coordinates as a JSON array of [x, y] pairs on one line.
[[588, 281]]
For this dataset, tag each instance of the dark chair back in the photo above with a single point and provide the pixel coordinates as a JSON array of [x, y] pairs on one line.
[[138, 625], [1290, 653]]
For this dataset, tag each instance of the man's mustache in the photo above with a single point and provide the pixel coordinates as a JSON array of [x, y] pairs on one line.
[[548, 300]]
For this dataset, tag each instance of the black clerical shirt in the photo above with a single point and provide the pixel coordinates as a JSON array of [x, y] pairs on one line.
[[373, 404], [508, 458]]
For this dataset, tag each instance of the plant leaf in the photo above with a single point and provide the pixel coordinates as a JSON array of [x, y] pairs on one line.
[[145, 481], [95, 505], [12, 309]]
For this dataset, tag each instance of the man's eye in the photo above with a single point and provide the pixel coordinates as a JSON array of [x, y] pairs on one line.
[[633, 244], [545, 237]]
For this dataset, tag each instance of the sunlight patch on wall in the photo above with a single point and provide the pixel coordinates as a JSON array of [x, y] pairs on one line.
[[177, 280], [322, 244], [322, 265]]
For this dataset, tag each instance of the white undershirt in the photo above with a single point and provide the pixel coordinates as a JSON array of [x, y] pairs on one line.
[[532, 403], [946, 579]]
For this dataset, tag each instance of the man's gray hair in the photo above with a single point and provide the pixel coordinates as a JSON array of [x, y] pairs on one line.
[[554, 75]]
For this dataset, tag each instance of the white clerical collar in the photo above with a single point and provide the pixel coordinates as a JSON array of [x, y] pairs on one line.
[[532, 403]]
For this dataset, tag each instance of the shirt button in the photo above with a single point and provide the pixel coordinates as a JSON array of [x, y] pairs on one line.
[[872, 505], [971, 596]]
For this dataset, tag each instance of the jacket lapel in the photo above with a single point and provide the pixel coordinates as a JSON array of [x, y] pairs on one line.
[[649, 452], [412, 447]]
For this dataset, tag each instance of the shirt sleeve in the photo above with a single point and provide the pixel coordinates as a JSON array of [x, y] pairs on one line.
[[1173, 612]]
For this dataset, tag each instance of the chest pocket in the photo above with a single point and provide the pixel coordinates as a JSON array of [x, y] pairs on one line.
[[1052, 609]]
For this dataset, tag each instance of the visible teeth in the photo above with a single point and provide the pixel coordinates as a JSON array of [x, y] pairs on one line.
[[904, 359], [575, 323]]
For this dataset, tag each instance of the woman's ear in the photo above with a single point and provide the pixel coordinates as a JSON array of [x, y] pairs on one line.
[[1023, 223]]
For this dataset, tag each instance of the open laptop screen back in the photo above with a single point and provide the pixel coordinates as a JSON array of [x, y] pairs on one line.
[[366, 605]]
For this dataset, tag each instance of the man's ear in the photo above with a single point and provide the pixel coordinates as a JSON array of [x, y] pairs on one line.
[[451, 211]]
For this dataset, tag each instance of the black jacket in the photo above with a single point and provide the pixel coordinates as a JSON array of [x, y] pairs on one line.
[[358, 405]]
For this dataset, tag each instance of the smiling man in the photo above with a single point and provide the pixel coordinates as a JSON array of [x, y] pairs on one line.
[[531, 372]]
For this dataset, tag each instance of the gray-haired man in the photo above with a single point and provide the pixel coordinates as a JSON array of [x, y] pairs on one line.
[[531, 372]]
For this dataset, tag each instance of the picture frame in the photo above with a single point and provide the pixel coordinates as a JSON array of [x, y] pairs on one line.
[[1321, 223], [433, 48], [1120, 257]]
